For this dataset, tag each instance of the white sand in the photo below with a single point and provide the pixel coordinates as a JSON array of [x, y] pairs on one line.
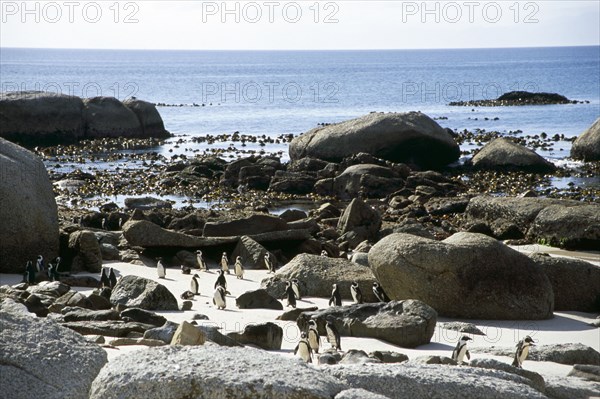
[[565, 327]]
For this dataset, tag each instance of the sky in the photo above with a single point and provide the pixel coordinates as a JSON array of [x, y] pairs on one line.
[[297, 25]]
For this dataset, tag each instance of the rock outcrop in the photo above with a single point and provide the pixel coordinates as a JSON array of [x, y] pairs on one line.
[[134, 291], [587, 145], [504, 154]]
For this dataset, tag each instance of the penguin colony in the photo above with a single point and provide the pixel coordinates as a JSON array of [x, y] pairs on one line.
[[310, 340]]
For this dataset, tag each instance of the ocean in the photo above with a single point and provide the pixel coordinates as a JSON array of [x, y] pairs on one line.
[[273, 93]]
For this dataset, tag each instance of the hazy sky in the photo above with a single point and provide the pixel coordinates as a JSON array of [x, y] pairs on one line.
[[300, 24]]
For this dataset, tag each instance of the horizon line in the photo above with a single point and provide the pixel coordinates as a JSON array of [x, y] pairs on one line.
[[307, 49]]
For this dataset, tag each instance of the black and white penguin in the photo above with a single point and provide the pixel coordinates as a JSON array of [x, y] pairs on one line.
[[52, 273], [194, 285], [461, 350], [201, 263], [296, 288], [187, 295], [333, 335], [112, 278], [336, 297], [303, 349], [104, 281], [270, 263], [380, 293], [522, 352], [314, 339], [104, 224], [186, 270], [30, 272], [290, 295], [160, 269], [40, 264], [221, 282], [224, 263], [120, 223], [324, 253], [239, 268], [356, 292], [219, 297]]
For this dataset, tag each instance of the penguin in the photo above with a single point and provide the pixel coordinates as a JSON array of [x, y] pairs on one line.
[[219, 298], [324, 253], [314, 339], [270, 264], [104, 224], [187, 295], [239, 268], [120, 223], [380, 293], [296, 288], [30, 272], [52, 274], [186, 270], [303, 349], [336, 298], [221, 282], [225, 263], [160, 269], [522, 351], [112, 278], [194, 285], [290, 295], [104, 279], [461, 350], [201, 263], [40, 264], [333, 335], [356, 292]]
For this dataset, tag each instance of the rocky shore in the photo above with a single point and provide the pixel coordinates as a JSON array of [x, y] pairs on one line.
[[368, 200]]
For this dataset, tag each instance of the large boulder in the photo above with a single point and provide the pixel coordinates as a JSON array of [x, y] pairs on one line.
[[190, 372], [252, 253], [267, 336], [254, 224], [410, 137], [576, 283], [134, 291], [148, 116], [108, 117], [40, 118], [361, 219], [317, 274], [417, 381], [502, 153], [257, 299], [27, 209], [41, 359], [84, 252], [407, 323], [587, 145], [467, 275], [571, 227]]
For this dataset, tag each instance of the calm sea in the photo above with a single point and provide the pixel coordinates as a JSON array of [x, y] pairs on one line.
[[281, 92]]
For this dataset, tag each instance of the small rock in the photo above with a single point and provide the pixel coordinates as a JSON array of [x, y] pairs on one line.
[[187, 334]]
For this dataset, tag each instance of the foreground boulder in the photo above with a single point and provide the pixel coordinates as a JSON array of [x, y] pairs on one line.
[[504, 154], [426, 381], [28, 211], [404, 323], [134, 291], [317, 274], [39, 358], [587, 145], [576, 283], [198, 372], [410, 137], [467, 275]]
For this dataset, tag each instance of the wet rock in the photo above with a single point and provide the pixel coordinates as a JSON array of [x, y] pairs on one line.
[[147, 203], [257, 299], [28, 212], [292, 183], [316, 275], [467, 275], [267, 336], [134, 291], [404, 323], [190, 372], [291, 215], [25, 365], [398, 137], [587, 145], [504, 154]]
